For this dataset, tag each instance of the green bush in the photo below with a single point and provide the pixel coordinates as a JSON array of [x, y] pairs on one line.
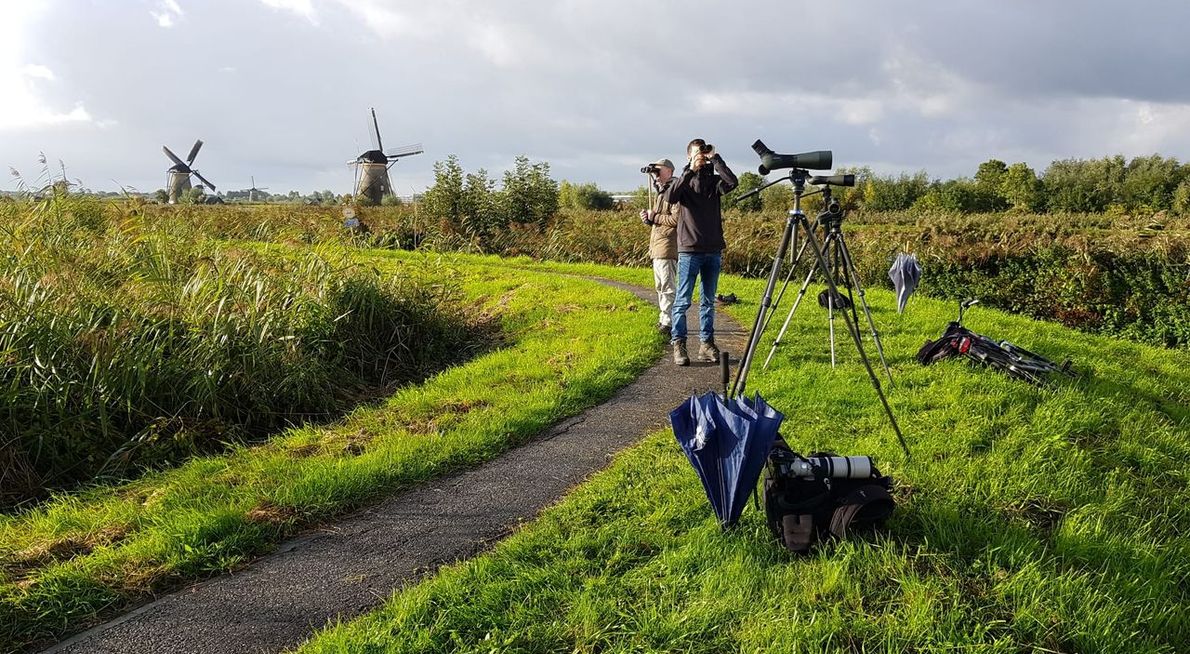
[[894, 193], [1075, 185], [584, 197]]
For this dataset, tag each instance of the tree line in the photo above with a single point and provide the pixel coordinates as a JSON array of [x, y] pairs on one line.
[[1146, 184]]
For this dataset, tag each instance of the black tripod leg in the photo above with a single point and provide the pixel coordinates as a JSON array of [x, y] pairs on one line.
[[844, 273], [831, 248], [853, 329], [849, 264], [741, 379], [777, 302], [789, 318]]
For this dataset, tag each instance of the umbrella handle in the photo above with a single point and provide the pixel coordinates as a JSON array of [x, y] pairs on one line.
[[725, 371]]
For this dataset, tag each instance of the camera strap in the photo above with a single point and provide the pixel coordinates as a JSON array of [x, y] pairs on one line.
[[875, 499]]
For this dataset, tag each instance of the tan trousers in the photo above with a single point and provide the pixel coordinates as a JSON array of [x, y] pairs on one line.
[[665, 278]]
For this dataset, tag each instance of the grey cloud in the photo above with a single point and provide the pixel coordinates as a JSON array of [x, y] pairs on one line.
[[591, 86]]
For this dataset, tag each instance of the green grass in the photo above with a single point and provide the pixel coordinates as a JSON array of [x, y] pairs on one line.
[[1029, 520], [83, 556]]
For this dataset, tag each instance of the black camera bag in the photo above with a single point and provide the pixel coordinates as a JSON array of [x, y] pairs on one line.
[[802, 510]]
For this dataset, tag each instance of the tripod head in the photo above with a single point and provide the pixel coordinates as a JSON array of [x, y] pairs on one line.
[[799, 177], [831, 216]]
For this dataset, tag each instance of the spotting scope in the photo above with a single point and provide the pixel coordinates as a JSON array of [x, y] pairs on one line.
[[832, 180], [770, 161]]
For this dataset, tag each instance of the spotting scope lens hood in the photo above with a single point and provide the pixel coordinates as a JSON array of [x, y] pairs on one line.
[[833, 180], [770, 161]]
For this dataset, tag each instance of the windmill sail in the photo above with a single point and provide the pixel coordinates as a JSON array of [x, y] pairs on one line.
[[194, 152], [172, 157], [405, 151], [377, 144]]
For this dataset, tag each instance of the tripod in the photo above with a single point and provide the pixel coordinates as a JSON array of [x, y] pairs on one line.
[[841, 267], [797, 219]]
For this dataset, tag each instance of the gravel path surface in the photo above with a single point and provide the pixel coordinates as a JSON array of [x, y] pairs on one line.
[[354, 564]]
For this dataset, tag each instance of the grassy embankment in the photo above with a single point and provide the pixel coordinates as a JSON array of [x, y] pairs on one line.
[[82, 556], [1049, 520]]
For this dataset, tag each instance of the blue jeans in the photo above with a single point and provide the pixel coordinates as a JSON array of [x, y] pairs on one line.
[[705, 266]]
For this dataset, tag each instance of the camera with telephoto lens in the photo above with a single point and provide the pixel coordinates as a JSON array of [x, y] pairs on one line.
[[812, 498], [651, 169], [826, 466]]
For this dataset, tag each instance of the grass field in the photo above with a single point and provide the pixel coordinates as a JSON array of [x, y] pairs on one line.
[[1039, 520], [1030, 520], [569, 343]]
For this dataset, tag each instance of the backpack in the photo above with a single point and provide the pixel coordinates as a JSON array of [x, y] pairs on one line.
[[810, 499]]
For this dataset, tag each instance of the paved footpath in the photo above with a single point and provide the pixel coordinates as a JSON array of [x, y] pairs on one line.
[[355, 563]]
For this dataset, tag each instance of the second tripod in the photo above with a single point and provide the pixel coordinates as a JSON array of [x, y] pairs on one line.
[[841, 267]]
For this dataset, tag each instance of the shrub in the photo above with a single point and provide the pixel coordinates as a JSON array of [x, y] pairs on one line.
[[584, 197]]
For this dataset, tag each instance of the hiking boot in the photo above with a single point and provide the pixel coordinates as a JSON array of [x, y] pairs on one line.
[[665, 329], [680, 356], [708, 352]]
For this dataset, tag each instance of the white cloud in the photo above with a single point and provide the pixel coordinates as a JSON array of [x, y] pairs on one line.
[[849, 110], [37, 71], [167, 13], [23, 107], [1147, 127], [303, 8], [498, 41], [383, 19]]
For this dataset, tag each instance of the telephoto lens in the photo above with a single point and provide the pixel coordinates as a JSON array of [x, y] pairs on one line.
[[837, 467]]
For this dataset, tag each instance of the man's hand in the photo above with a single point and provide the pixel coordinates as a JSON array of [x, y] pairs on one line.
[[646, 217]]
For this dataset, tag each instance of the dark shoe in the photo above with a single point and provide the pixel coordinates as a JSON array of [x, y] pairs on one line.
[[665, 329], [680, 356], [708, 352], [730, 298]]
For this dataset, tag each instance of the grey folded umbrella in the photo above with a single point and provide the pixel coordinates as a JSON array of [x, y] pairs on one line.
[[905, 273]]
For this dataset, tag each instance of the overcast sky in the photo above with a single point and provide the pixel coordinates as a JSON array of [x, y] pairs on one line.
[[280, 89]]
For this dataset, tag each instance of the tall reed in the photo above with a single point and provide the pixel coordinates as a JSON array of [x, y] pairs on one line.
[[128, 341]]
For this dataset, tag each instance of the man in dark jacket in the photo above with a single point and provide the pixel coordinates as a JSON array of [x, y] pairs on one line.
[[698, 193]]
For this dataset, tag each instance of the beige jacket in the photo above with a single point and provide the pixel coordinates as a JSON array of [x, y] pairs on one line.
[[663, 238]]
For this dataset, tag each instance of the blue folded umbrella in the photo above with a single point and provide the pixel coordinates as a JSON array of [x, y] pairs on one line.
[[726, 443]]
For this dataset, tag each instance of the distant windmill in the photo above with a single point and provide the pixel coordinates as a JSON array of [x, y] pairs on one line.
[[253, 191], [178, 181], [371, 167]]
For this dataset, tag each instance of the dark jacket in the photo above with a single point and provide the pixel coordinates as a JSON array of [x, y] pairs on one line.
[[700, 225]]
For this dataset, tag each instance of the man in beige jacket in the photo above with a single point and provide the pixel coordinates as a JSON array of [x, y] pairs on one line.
[[662, 217]]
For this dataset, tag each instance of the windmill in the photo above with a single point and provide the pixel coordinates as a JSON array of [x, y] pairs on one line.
[[253, 191], [178, 181], [371, 167]]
